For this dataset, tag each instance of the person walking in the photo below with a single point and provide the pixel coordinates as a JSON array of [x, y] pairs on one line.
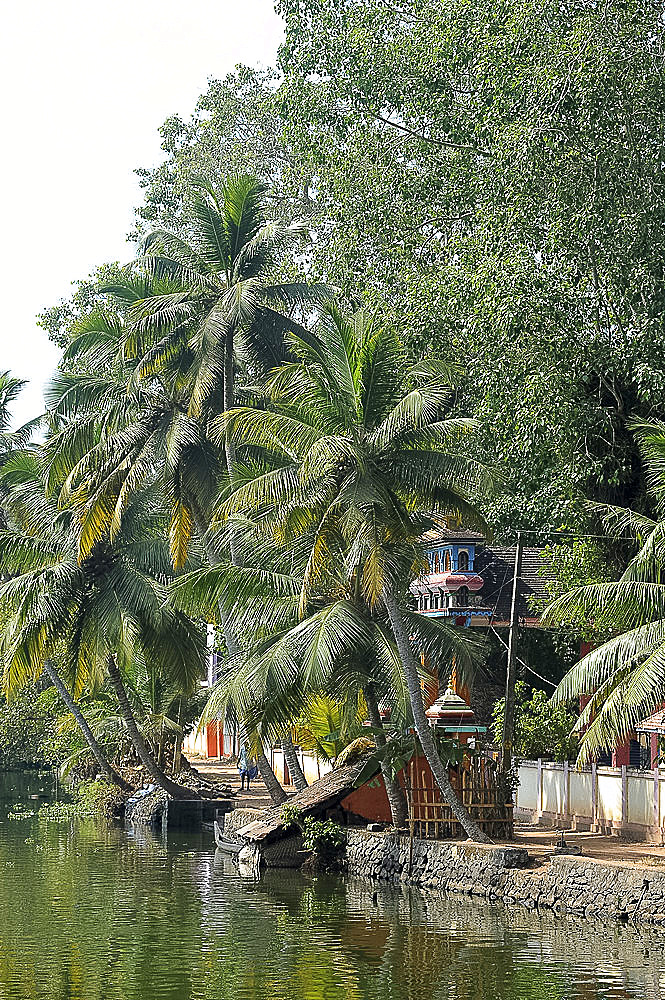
[[246, 767]]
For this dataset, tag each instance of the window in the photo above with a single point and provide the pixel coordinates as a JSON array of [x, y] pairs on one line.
[[436, 565], [463, 561], [462, 597], [446, 564]]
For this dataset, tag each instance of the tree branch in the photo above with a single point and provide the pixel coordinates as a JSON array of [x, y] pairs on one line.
[[426, 138]]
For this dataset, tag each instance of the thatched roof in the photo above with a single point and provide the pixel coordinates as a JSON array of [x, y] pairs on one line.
[[326, 793]]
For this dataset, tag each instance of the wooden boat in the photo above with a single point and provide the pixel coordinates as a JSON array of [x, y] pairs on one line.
[[223, 843]]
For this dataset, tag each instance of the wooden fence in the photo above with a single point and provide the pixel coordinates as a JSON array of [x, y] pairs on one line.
[[481, 792]]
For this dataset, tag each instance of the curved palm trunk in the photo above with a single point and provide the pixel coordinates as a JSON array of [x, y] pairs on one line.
[[275, 790], [394, 791], [293, 764], [148, 761], [439, 770], [81, 722]]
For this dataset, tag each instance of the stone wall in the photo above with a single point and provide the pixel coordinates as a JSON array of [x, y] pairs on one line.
[[564, 884]]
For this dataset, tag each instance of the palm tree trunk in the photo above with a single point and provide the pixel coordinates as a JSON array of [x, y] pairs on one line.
[[293, 764], [411, 673], [275, 790], [148, 761], [81, 722], [394, 791], [229, 403]]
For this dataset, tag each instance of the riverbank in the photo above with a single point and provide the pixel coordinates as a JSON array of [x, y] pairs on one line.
[[629, 890], [90, 910], [500, 873]]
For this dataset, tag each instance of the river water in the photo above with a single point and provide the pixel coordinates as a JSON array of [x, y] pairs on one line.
[[88, 911]]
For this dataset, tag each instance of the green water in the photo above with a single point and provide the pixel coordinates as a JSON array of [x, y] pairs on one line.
[[92, 912]]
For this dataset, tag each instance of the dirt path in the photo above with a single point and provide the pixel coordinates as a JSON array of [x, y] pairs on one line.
[[227, 773], [539, 841]]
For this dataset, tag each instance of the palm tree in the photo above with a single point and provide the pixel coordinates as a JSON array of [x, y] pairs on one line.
[[83, 725], [359, 446], [232, 301], [128, 425], [10, 441], [102, 614], [200, 305], [625, 674]]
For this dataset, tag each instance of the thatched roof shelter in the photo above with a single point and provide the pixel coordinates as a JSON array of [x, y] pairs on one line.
[[325, 794]]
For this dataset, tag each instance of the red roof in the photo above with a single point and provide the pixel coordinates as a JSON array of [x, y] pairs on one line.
[[654, 724]]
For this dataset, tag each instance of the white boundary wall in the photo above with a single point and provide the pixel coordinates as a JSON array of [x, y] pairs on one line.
[[604, 799]]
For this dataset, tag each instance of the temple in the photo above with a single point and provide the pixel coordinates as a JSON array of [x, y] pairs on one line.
[[470, 581]]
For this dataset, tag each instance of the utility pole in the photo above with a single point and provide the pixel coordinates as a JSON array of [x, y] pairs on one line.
[[511, 670]]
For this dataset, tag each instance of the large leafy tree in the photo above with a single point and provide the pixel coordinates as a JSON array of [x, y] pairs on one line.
[[359, 448], [625, 673], [494, 172], [101, 615], [234, 123]]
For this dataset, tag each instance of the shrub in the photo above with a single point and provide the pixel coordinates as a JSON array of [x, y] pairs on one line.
[[96, 799], [323, 837], [30, 732], [541, 729]]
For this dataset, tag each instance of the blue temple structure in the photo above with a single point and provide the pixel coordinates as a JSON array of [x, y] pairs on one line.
[[470, 580]]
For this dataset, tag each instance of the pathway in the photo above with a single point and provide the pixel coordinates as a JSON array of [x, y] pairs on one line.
[[226, 772]]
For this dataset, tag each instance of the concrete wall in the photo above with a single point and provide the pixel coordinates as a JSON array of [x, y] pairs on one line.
[[312, 768], [605, 799], [564, 884]]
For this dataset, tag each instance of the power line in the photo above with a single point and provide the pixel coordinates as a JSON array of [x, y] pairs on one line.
[[569, 534], [520, 660]]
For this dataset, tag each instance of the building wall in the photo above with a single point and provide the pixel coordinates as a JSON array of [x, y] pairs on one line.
[[212, 742], [313, 769]]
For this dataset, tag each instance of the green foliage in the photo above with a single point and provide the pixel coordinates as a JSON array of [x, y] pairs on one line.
[[327, 726], [488, 171], [234, 123], [572, 563], [400, 747], [60, 321], [456, 152], [566, 565], [542, 729], [324, 838], [291, 815], [30, 730], [96, 799], [624, 675]]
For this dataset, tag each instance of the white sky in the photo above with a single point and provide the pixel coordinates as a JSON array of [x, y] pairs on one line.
[[85, 87]]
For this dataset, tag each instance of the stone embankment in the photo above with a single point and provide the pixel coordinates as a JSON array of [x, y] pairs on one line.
[[563, 884]]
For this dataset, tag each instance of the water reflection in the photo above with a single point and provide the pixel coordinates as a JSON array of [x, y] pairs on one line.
[[93, 912]]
